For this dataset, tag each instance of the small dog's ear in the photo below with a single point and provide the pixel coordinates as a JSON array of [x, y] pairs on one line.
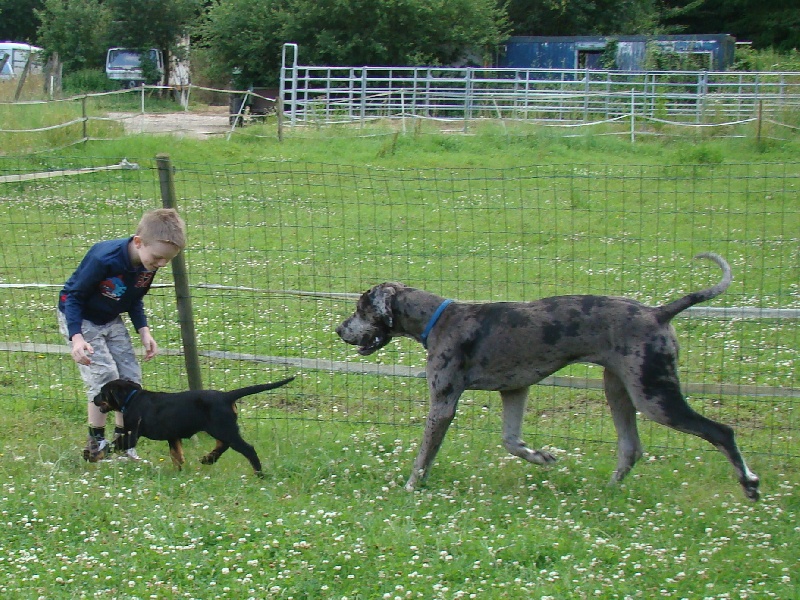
[[382, 296], [132, 384]]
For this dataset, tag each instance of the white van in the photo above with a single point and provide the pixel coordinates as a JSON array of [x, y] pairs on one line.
[[18, 54], [125, 65]]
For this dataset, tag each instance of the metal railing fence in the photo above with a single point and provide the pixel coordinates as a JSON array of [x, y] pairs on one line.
[[332, 94]]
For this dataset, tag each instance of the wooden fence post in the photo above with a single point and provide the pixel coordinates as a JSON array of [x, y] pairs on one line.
[[182, 294], [21, 83]]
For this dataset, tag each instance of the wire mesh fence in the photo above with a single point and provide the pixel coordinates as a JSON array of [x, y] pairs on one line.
[[278, 253]]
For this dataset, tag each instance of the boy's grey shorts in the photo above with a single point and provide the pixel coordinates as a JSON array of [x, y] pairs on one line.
[[113, 356]]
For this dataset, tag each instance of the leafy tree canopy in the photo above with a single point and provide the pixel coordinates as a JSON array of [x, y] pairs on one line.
[[151, 23], [245, 37], [766, 23], [81, 31], [77, 30], [17, 20], [582, 17], [397, 32]]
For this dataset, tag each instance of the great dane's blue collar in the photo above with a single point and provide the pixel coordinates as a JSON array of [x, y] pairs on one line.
[[432, 322]]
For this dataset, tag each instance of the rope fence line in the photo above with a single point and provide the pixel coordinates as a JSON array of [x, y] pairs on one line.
[[20, 177], [729, 312], [330, 109]]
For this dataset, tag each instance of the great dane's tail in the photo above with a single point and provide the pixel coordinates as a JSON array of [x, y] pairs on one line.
[[234, 395], [668, 311]]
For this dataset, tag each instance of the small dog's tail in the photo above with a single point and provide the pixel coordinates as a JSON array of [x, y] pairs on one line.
[[234, 395], [668, 311]]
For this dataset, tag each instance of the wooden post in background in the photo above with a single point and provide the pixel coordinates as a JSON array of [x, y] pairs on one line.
[[23, 77]]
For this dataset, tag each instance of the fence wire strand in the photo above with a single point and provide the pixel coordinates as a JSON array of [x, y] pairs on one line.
[[278, 253]]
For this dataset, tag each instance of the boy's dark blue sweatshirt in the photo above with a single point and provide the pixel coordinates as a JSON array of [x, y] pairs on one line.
[[104, 286]]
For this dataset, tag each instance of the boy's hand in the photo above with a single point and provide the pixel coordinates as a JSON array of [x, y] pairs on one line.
[[81, 350], [150, 346]]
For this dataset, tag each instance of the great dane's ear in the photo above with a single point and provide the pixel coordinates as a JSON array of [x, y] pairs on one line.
[[382, 296]]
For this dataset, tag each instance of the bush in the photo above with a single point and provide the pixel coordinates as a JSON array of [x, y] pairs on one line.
[[748, 59], [86, 81]]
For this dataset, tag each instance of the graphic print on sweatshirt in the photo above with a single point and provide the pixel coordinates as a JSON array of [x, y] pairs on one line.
[[113, 287], [144, 279]]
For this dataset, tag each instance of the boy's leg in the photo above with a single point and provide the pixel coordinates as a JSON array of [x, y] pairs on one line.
[[101, 370], [120, 347], [95, 375]]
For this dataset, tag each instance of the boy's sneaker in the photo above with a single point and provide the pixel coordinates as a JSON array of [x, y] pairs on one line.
[[95, 450], [130, 454], [120, 446], [120, 442]]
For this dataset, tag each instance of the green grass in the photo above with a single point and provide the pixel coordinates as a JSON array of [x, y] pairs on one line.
[[331, 520], [489, 216]]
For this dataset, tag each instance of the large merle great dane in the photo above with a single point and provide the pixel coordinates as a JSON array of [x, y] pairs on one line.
[[509, 346]]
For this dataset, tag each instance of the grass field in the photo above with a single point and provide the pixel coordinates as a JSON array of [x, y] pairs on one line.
[[489, 216], [331, 520]]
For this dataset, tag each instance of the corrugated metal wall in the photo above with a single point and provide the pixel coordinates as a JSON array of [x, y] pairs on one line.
[[566, 52]]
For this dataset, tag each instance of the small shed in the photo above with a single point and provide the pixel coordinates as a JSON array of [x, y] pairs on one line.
[[624, 53]]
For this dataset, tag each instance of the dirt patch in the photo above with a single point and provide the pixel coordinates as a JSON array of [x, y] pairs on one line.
[[212, 121]]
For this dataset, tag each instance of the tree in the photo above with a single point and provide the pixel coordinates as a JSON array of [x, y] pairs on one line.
[[582, 17], [18, 22], [397, 32], [77, 30], [81, 31], [152, 24], [766, 23], [242, 41], [245, 37]]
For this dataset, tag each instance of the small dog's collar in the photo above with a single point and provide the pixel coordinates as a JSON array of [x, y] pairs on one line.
[[432, 322], [128, 399]]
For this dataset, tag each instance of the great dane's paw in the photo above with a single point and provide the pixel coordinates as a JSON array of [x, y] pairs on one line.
[[416, 480], [750, 487], [539, 457]]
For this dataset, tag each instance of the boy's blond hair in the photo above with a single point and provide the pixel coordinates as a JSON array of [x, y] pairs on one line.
[[162, 225]]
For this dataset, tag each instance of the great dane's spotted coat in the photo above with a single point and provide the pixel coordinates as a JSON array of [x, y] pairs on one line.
[[509, 346]]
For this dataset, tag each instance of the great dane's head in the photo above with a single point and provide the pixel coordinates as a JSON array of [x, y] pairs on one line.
[[114, 395], [370, 325]]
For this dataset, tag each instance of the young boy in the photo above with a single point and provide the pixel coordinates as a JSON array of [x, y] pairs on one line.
[[112, 279]]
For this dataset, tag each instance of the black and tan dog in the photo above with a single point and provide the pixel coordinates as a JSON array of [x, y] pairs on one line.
[[175, 416]]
